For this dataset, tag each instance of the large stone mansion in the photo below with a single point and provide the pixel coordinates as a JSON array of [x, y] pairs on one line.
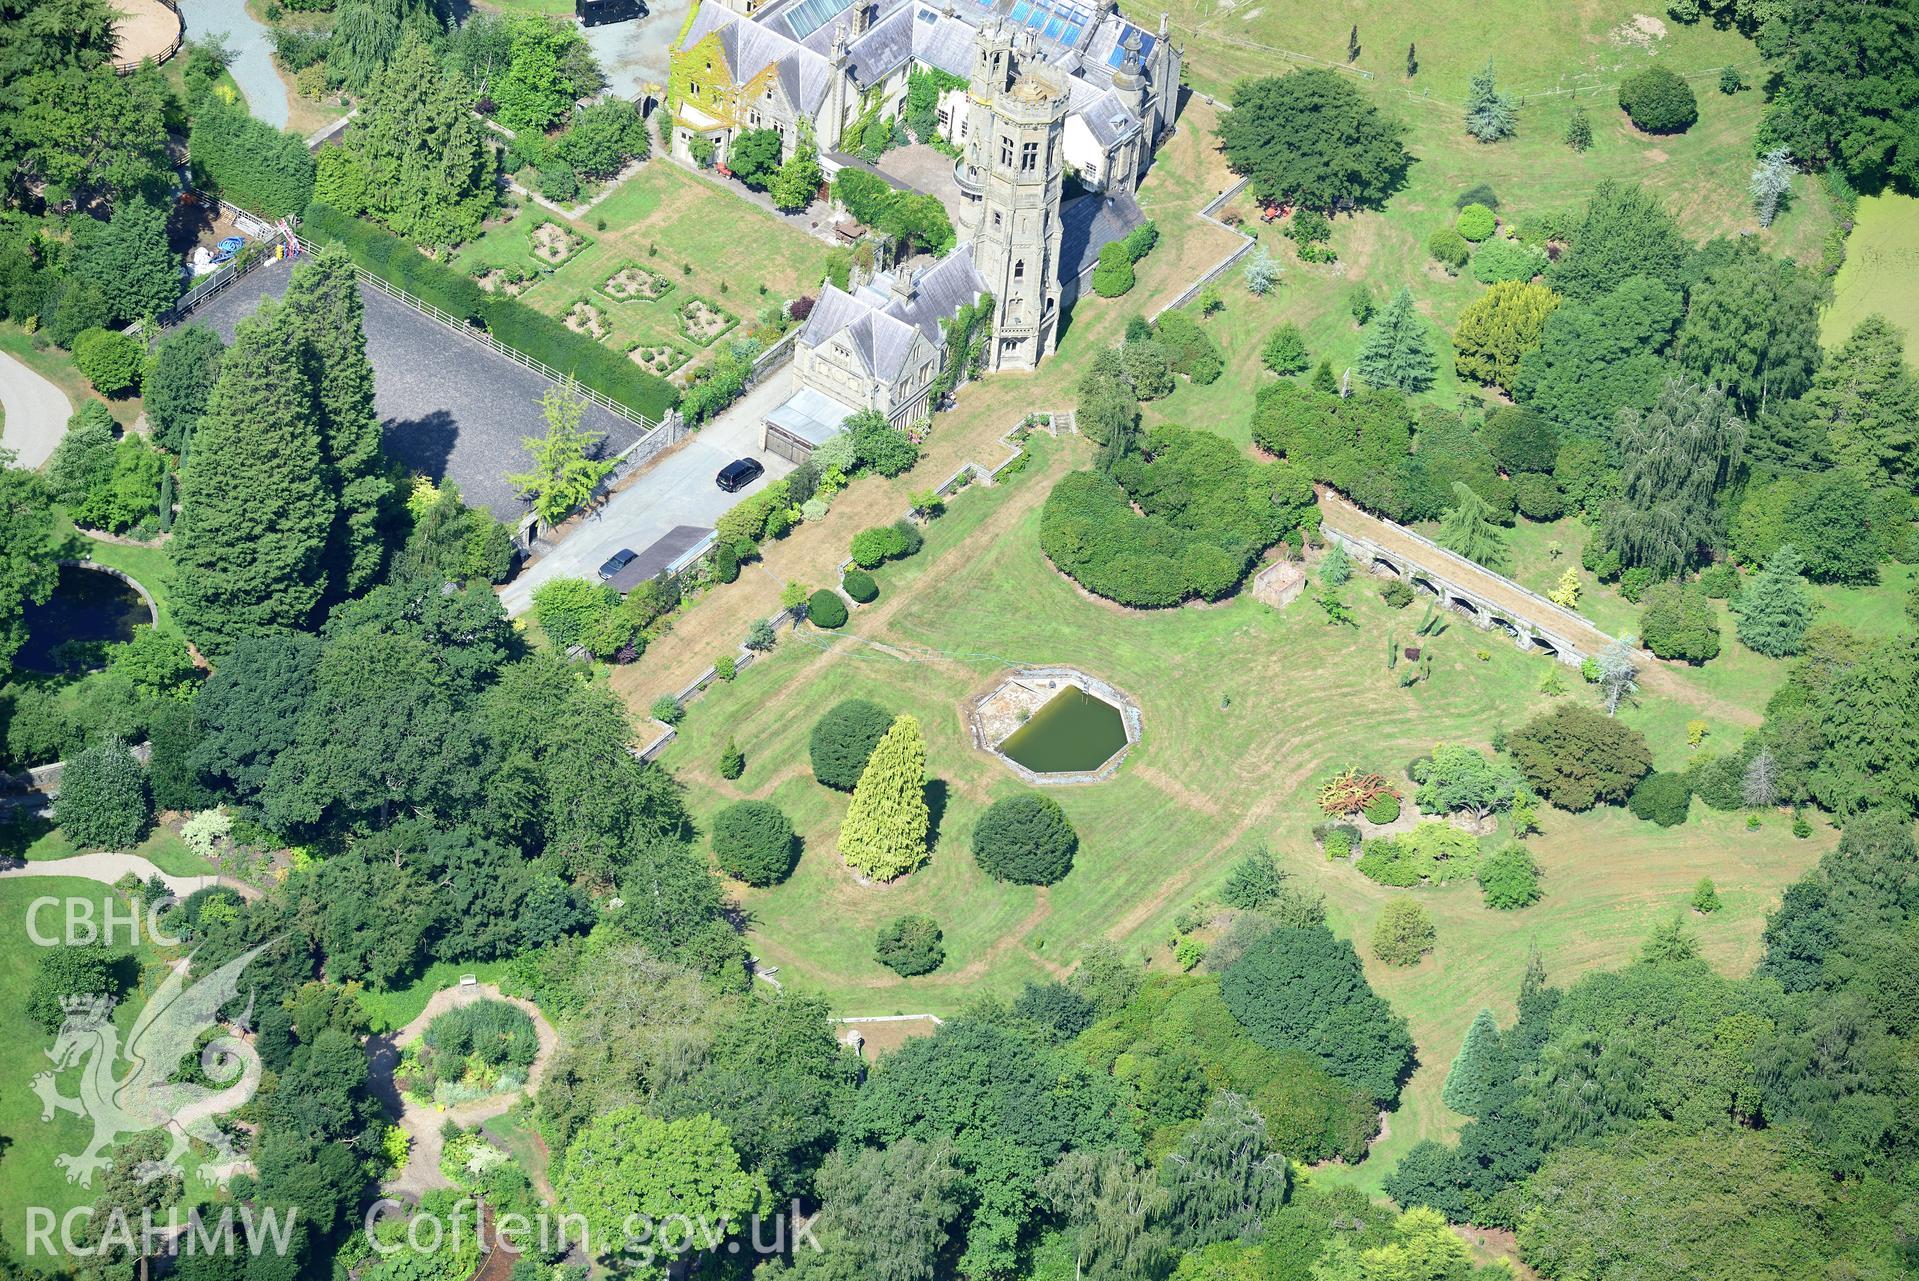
[[1047, 86], [768, 64]]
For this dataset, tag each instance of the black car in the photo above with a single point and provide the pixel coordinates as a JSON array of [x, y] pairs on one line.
[[740, 473], [618, 561]]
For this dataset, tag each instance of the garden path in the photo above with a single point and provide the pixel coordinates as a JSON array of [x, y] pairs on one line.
[[252, 48], [108, 868], [422, 1122], [37, 413]]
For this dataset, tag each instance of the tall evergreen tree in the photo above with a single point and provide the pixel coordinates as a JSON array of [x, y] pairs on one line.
[[1625, 233], [884, 835], [249, 549], [1775, 608], [414, 157], [1467, 528], [324, 305], [1352, 44], [1412, 61], [1869, 401], [1752, 327], [1489, 113], [130, 258], [1677, 459], [1399, 350], [1477, 1069]]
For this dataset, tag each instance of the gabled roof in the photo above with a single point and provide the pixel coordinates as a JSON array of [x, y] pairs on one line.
[[1108, 119], [880, 326], [882, 48], [751, 47], [943, 42], [1088, 224]]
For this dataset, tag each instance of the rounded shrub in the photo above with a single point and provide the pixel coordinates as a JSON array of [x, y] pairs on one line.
[[1662, 799], [1658, 100], [1508, 878], [1522, 441], [909, 945], [1026, 839], [873, 547], [1449, 249], [1502, 260], [843, 739], [111, 360], [825, 608], [1475, 223], [753, 842], [1383, 808], [860, 586], [1404, 932], [1538, 496], [103, 801]]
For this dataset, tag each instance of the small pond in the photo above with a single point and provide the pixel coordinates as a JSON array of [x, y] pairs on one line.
[[88, 610], [1073, 733]]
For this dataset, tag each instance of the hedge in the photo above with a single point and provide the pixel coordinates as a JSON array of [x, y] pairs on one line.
[[513, 323], [249, 162]]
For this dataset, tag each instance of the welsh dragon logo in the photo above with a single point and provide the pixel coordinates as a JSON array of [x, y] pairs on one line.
[[149, 1096]]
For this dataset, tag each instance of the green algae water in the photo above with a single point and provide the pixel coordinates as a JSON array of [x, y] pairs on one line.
[[1074, 733]]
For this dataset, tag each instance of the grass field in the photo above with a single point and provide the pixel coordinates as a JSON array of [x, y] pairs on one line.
[[28, 1174], [1245, 709], [57, 367], [1882, 263], [704, 242], [162, 847]]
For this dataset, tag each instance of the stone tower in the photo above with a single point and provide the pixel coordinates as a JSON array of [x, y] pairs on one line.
[[1009, 176]]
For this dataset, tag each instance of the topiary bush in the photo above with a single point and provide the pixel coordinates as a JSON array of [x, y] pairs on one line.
[[1658, 100], [909, 945], [1025, 839], [844, 738], [1661, 798], [860, 586], [1475, 223], [824, 608], [753, 842], [1382, 809]]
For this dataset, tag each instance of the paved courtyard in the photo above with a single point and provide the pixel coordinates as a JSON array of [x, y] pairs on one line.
[[449, 407], [675, 490]]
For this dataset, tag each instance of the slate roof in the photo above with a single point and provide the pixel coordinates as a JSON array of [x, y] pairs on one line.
[[882, 48], [751, 47], [943, 42], [1104, 115], [1088, 224], [880, 326]]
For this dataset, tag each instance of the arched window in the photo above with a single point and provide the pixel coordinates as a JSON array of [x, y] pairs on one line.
[[1019, 270]]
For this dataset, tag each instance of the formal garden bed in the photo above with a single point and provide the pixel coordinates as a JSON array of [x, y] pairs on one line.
[[470, 1052], [660, 358], [511, 281], [554, 244], [634, 283], [584, 317], [704, 321]]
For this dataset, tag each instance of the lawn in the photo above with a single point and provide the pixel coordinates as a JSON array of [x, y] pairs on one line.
[[151, 567], [28, 1175], [57, 367], [1245, 709], [682, 239], [393, 1009], [1882, 261]]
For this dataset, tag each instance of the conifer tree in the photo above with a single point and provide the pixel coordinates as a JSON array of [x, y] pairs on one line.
[[1499, 328], [1775, 608], [1467, 528], [1323, 379], [1352, 44], [884, 835], [249, 548], [1412, 61], [323, 302], [1399, 350], [1489, 113], [1869, 401], [1579, 130], [1567, 592], [1477, 1070]]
